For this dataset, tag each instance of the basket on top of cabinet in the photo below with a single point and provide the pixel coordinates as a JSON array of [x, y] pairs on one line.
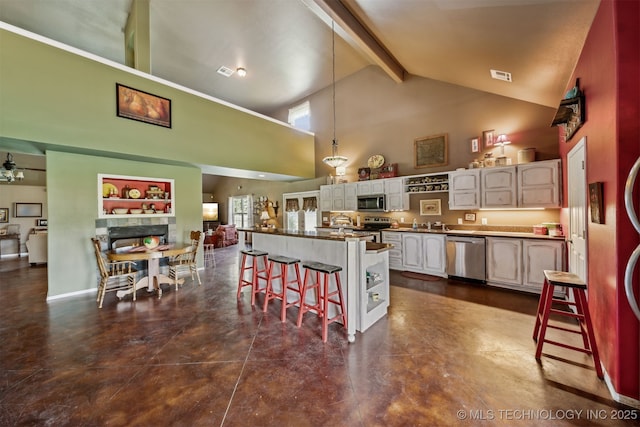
[[434, 183]]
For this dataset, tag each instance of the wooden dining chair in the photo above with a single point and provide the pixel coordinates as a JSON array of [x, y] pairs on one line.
[[114, 275], [186, 261]]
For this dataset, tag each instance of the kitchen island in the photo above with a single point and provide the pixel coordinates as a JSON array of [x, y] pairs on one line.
[[364, 275]]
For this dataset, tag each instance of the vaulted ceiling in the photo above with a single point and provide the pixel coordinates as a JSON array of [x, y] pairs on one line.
[[286, 45]]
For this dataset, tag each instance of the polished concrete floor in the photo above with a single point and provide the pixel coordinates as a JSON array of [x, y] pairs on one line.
[[448, 353]]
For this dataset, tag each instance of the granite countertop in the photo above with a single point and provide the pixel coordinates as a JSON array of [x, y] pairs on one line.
[[479, 233], [305, 234]]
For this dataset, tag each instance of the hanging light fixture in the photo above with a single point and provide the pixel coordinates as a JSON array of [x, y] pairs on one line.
[[9, 173], [334, 160]]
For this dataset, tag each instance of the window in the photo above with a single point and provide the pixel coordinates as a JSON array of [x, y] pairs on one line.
[[240, 211], [300, 116]]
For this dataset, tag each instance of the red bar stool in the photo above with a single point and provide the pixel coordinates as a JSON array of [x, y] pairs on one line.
[[256, 272], [578, 287], [283, 263], [323, 296]]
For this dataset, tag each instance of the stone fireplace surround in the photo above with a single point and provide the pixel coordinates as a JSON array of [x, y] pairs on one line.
[[110, 230]]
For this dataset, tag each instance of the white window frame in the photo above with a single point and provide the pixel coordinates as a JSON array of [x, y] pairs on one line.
[[300, 114]]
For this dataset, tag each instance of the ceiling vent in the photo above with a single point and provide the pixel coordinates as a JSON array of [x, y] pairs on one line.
[[225, 71], [501, 75]]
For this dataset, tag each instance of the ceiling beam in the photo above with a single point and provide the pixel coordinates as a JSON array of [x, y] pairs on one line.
[[338, 12]]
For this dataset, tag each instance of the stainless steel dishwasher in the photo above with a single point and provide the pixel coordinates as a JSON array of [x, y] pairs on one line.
[[466, 257]]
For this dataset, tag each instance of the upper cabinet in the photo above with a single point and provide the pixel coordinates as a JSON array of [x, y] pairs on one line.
[[125, 196], [397, 199], [539, 184], [464, 189], [339, 197], [367, 188], [499, 187]]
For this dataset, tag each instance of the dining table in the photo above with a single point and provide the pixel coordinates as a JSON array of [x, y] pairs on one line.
[[154, 278]]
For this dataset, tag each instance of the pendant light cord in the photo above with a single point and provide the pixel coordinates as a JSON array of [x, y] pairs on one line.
[[333, 76]]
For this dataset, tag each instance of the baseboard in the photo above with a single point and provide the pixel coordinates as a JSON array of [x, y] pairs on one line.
[[625, 400], [72, 294]]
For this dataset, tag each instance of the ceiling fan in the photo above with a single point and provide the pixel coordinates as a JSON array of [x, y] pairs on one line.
[[10, 172]]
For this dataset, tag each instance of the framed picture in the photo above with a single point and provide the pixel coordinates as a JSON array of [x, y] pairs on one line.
[[488, 138], [364, 174], [430, 207], [137, 105], [475, 145], [595, 202], [469, 217], [431, 151], [4, 214], [41, 222], [27, 210]]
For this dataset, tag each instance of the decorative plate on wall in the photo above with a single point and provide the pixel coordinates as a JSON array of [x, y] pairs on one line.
[[375, 161]]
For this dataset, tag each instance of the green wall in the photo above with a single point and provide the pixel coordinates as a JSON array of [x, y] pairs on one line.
[[54, 97], [72, 183]]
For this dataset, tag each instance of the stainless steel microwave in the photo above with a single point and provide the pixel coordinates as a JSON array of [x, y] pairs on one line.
[[372, 203]]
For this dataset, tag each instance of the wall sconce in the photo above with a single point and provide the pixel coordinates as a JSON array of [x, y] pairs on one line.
[[275, 207]]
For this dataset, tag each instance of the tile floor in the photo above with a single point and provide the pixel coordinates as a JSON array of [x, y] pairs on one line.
[[447, 354]]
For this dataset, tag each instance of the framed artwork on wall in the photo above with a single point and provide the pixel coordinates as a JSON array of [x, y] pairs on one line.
[[475, 145], [430, 207], [138, 105], [4, 214], [27, 210], [431, 151], [488, 138], [596, 205]]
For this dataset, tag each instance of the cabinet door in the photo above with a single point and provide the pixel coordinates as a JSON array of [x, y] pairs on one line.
[[539, 184], [364, 188], [350, 196], [499, 187], [435, 254], [412, 258], [540, 255], [504, 260], [337, 194], [397, 199], [464, 189], [326, 198], [395, 253], [377, 186]]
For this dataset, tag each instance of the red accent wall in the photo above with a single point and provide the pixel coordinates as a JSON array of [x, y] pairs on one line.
[[609, 73]]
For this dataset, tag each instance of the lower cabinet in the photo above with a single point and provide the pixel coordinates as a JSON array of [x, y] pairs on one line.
[[519, 263], [395, 254], [424, 253], [375, 301]]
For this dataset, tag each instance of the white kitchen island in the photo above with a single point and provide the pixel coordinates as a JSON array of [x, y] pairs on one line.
[[364, 275]]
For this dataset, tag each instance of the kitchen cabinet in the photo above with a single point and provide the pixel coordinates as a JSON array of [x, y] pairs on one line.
[[539, 184], [395, 253], [397, 199], [464, 189], [374, 302], [498, 187], [123, 196], [367, 188], [519, 263], [424, 253], [429, 183], [339, 197]]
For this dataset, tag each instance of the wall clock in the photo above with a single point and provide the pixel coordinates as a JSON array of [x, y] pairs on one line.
[[375, 161]]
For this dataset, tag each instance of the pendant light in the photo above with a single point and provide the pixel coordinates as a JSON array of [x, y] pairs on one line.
[[334, 160]]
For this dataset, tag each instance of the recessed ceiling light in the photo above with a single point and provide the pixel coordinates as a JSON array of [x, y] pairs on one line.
[[241, 72], [261, 175], [505, 76], [225, 71]]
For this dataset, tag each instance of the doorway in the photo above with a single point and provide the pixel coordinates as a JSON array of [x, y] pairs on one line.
[[577, 203]]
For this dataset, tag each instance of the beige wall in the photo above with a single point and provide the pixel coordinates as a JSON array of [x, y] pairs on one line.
[[378, 116]]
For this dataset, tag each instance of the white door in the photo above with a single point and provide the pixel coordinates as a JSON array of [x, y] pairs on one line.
[[577, 203]]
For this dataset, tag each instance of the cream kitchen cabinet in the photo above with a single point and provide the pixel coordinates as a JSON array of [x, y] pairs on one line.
[[367, 188], [395, 253], [539, 184], [338, 197], [397, 199], [424, 253], [499, 189], [464, 189], [519, 263]]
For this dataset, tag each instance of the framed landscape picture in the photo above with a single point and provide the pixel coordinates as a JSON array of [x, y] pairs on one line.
[[431, 151]]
